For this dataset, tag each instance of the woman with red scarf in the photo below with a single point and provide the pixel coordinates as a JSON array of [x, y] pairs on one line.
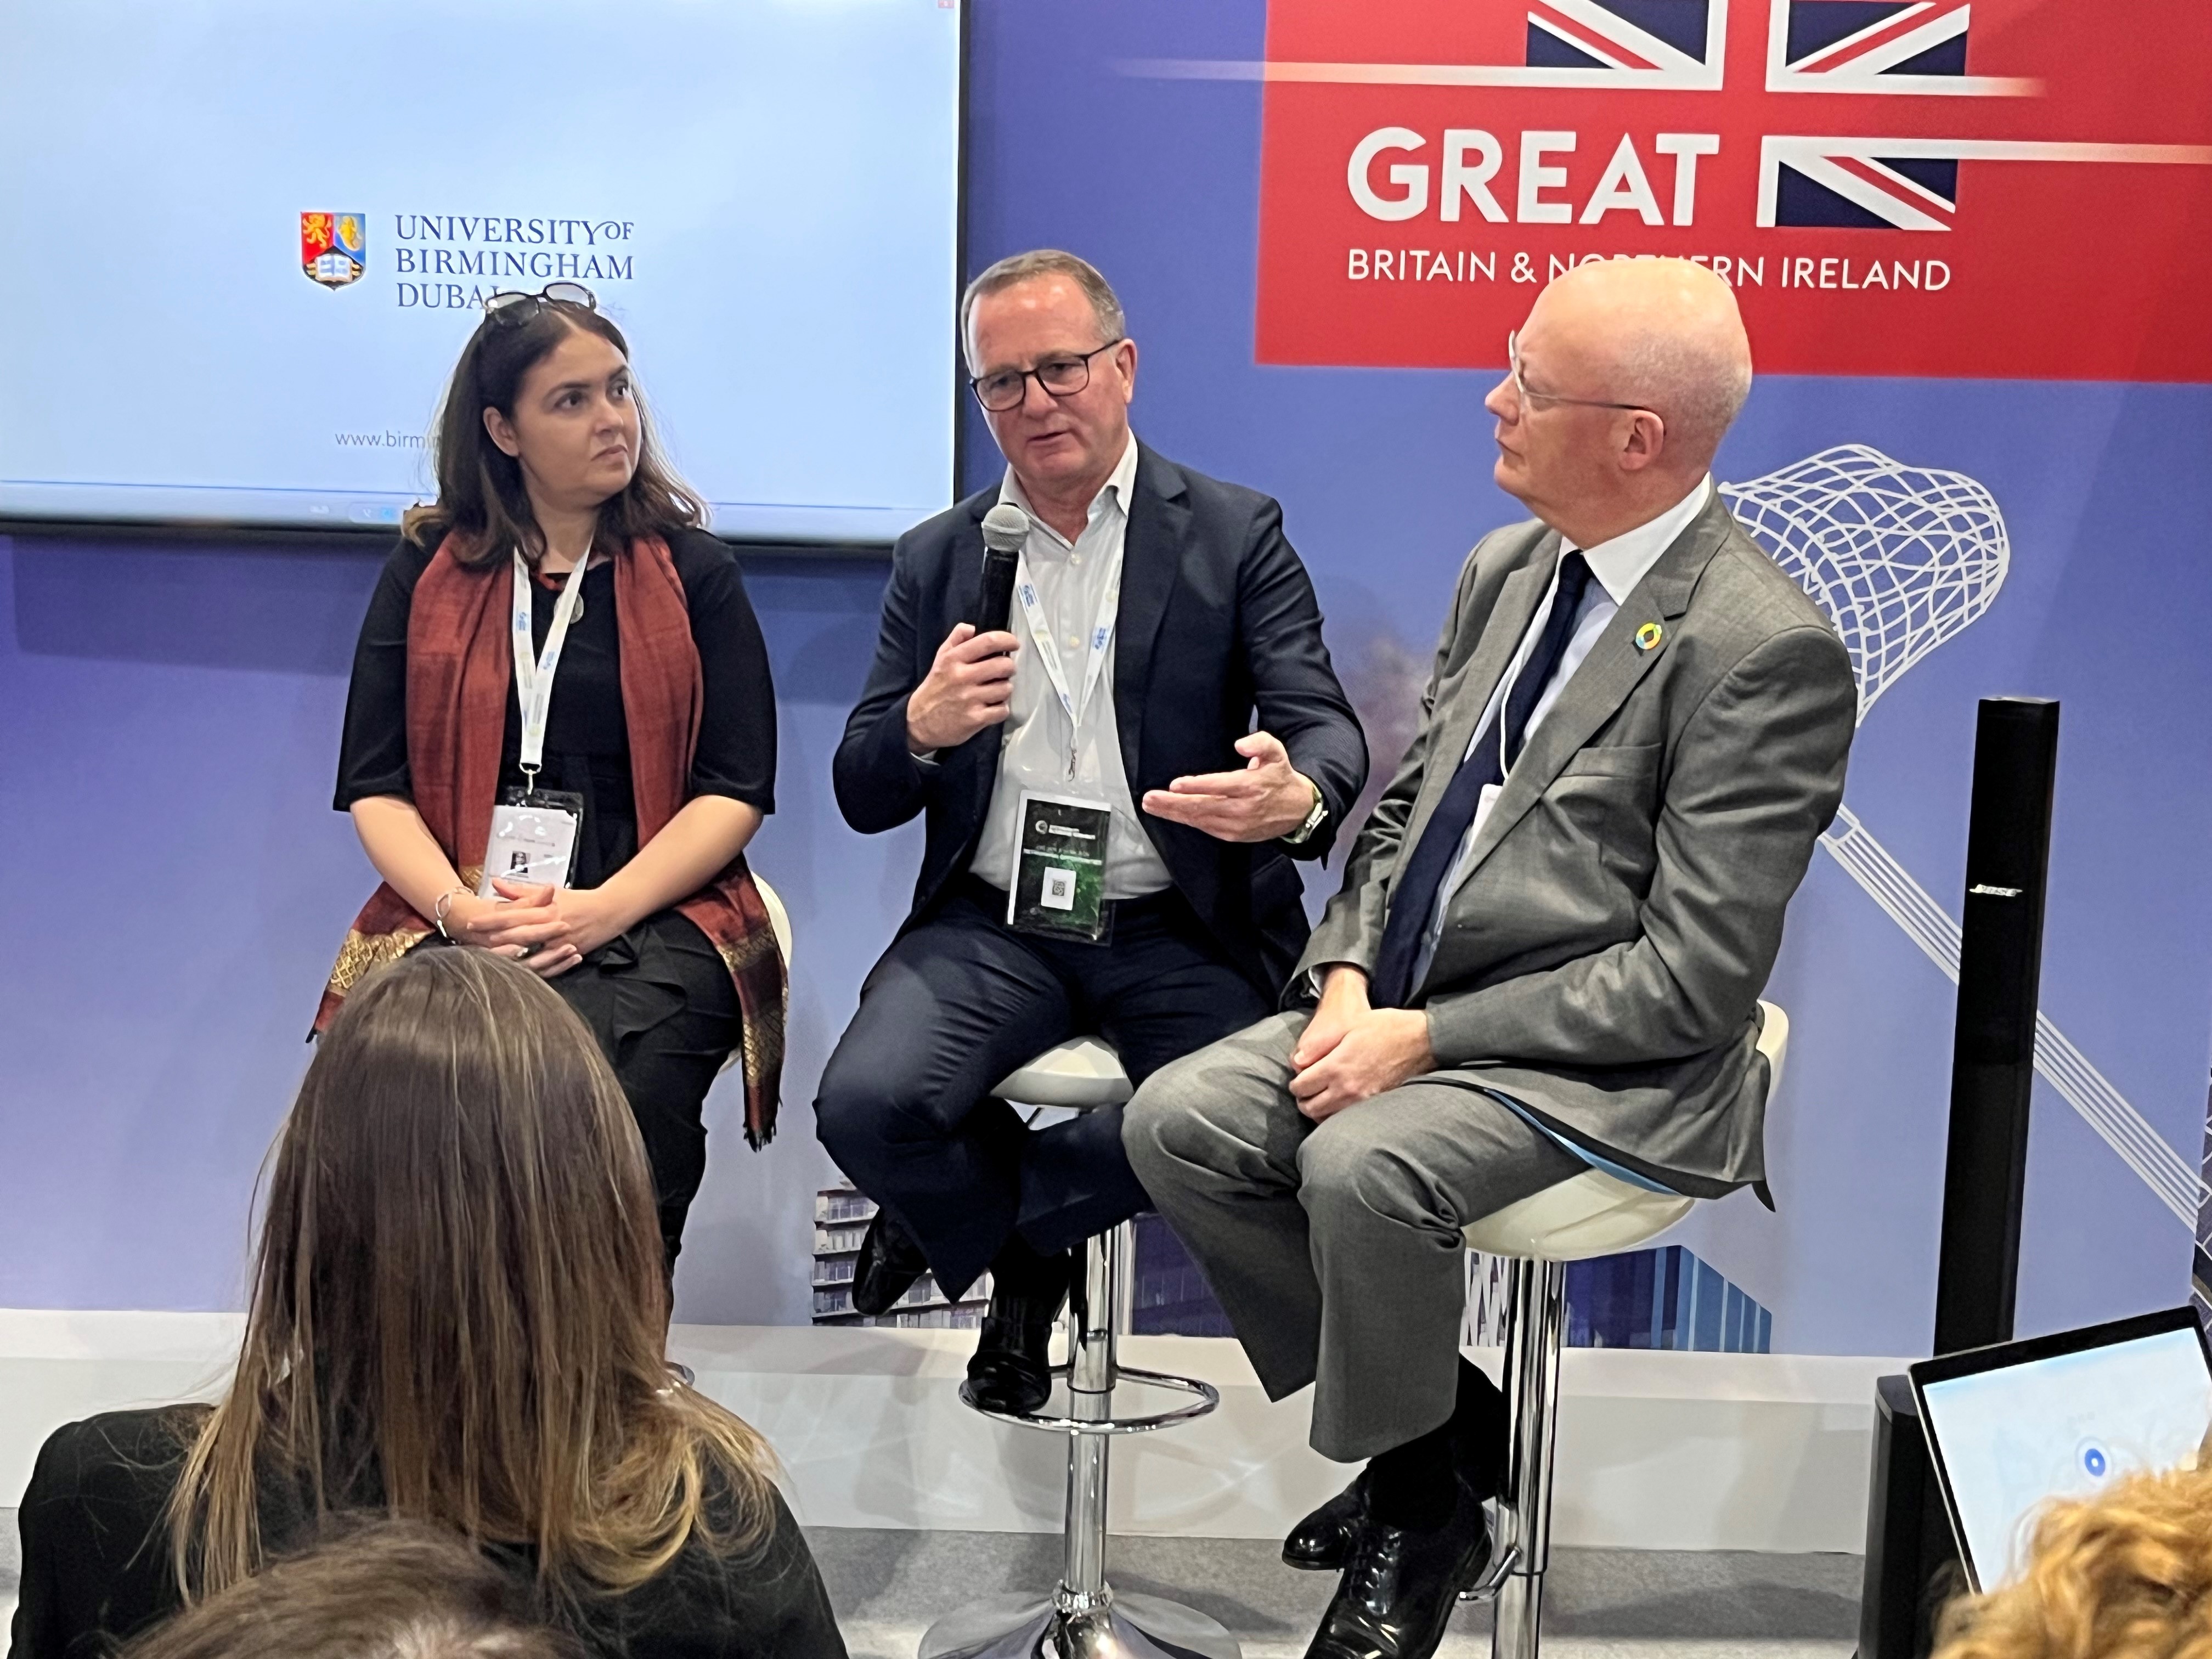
[[559, 632]]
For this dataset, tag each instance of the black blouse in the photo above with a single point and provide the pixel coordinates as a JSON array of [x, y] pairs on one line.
[[586, 738], [96, 1562]]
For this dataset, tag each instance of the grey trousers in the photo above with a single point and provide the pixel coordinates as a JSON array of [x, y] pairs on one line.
[[1334, 1247]]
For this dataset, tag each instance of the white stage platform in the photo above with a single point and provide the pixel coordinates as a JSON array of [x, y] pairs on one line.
[[1671, 1451]]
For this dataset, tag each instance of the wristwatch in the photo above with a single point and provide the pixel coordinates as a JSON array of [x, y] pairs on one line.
[[1304, 831]]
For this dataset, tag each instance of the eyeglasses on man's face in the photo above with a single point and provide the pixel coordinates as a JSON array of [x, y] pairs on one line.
[[1063, 376], [1530, 399]]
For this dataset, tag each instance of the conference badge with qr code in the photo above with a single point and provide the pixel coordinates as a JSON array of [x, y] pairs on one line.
[[1060, 868]]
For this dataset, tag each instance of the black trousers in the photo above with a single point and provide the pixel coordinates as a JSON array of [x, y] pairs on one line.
[[661, 1004], [959, 1001]]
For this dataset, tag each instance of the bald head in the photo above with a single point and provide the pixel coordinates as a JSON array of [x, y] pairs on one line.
[[1663, 333], [1630, 371]]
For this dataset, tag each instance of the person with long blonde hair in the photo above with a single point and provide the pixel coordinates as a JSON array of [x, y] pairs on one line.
[[2126, 1574], [458, 1316]]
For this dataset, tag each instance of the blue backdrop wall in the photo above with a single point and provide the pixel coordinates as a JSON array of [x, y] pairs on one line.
[[175, 881]]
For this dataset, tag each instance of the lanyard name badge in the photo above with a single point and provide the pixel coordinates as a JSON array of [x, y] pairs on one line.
[[1060, 859], [534, 830]]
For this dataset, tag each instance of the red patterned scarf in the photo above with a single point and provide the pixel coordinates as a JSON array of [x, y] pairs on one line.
[[459, 668]]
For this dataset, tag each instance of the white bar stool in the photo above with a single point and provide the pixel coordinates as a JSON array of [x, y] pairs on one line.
[[1084, 1618], [1591, 1214], [778, 918]]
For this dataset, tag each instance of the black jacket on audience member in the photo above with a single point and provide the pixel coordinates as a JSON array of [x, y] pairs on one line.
[[1216, 618], [96, 1567]]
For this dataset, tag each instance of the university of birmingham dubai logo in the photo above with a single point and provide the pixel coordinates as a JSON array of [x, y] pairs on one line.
[[1998, 188], [333, 248]]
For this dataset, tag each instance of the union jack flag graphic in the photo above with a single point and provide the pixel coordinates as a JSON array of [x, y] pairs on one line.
[[1653, 43], [1820, 182], [1882, 48], [1867, 46]]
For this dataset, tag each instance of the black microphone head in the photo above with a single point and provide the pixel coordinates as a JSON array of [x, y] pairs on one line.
[[1006, 528]]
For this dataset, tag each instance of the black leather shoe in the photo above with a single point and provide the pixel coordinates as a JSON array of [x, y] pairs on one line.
[[889, 1263], [1324, 1541], [1011, 1368], [1398, 1593]]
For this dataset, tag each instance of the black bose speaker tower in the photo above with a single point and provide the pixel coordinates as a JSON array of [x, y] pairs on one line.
[[1912, 1563], [1993, 1044]]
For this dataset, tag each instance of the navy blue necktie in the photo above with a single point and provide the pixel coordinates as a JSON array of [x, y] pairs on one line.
[[1421, 877]]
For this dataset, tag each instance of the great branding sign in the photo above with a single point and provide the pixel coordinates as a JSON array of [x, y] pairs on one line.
[[1894, 186]]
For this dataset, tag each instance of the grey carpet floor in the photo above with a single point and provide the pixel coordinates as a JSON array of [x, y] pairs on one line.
[[888, 1587]]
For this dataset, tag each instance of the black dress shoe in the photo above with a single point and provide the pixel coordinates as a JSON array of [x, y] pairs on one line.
[[1398, 1593], [1011, 1370], [1324, 1541], [889, 1263]]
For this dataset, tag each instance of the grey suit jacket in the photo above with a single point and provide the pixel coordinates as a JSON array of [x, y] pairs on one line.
[[1601, 962]]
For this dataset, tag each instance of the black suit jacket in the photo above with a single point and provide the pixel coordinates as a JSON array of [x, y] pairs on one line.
[[1216, 619], [96, 1562]]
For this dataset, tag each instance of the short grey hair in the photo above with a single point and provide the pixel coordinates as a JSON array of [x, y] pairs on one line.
[[1105, 304], [1698, 388]]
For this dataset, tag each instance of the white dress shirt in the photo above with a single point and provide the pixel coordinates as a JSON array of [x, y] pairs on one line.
[[1617, 566], [1073, 579]]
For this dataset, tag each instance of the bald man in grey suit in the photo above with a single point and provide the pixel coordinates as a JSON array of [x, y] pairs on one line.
[[1552, 933]]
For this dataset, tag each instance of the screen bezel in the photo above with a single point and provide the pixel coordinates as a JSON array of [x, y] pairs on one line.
[[265, 532], [2004, 1356]]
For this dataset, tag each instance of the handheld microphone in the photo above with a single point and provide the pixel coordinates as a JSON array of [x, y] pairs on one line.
[[1005, 527]]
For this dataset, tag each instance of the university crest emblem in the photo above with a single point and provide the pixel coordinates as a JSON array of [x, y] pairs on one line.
[[333, 247]]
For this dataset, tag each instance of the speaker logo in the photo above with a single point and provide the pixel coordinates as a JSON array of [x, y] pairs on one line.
[[333, 248]]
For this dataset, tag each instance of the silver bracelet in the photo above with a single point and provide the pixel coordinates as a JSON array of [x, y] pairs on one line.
[[438, 910]]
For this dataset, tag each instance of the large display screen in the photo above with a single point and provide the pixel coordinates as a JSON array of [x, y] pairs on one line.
[[243, 241]]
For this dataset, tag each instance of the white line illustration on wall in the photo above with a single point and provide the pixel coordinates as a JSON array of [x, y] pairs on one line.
[[1903, 558]]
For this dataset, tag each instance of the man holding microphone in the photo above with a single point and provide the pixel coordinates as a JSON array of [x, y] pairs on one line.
[[1115, 777]]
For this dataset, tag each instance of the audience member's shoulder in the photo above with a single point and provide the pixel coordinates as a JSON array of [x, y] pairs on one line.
[[731, 1509], [117, 1457], [714, 1599]]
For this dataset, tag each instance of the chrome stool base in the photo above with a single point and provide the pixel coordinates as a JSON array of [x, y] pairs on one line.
[[1083, 1617], [1118, 1627]]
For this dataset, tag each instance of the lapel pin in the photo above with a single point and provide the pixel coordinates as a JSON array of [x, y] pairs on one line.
[[1648, 636]]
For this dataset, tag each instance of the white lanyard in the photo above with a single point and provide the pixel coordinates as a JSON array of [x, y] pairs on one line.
[[1048, 648], [533, 674]]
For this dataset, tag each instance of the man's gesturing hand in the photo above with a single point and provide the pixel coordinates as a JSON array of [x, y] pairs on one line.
[[1269, 798], [1351, 1052], [968, 687]]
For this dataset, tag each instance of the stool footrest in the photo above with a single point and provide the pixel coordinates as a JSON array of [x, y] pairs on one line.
[[1503, 1562], [1207, 1397]]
